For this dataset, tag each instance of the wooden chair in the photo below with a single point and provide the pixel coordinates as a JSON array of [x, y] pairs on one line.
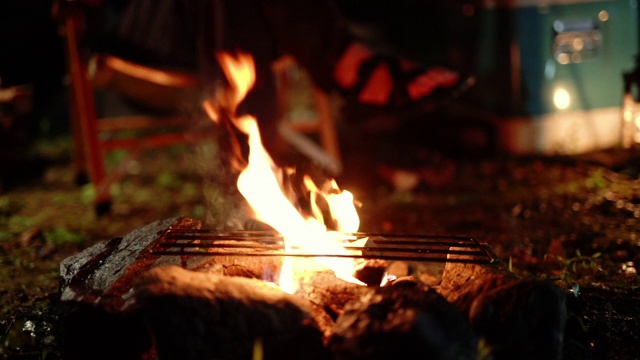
[[171, 92], [168, 92]]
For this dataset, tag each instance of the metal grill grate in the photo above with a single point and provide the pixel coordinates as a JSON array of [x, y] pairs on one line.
[[407, 247]]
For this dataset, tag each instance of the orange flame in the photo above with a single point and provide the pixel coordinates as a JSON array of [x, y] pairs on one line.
[[260, 184]]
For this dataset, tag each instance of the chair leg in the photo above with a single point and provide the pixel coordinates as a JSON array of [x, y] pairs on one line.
[[86, 116], [327, 127], [79, 159]]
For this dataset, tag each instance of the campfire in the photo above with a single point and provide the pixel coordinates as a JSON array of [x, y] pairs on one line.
[[309, 286], [261, 183]]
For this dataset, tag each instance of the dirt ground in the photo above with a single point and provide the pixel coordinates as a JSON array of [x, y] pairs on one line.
[[574, 220]]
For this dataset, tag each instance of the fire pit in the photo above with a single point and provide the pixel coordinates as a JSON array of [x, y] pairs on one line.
[[174, 290]]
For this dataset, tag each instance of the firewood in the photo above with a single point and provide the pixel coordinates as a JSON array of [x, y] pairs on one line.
[[255, 267], [194, 315], [329, 292]]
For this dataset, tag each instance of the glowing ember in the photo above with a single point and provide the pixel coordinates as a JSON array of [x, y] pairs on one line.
[[261, 184]]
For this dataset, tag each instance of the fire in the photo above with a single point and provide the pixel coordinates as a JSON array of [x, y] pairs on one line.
[[260, 182]]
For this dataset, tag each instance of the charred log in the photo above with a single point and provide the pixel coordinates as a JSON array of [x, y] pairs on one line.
[[371, 272], [195, 315], [330, 293]]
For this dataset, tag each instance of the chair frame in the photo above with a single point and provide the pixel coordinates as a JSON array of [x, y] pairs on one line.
[[89, 149], [87, 73]]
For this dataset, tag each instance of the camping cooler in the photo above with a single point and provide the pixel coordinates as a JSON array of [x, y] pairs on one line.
[[551, 72]]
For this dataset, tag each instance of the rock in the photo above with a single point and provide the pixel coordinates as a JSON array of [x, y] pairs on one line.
[[96, 289], [521, 320], [515, 318], [462, 282], [103, 274], [96, 311], [403, 321], [464, 295]]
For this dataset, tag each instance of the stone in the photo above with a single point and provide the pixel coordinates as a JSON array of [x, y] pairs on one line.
[[515, 318], [97, 311], [521, 320], [403, 321]]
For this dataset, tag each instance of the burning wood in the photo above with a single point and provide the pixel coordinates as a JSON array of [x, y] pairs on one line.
[[194, 315], [371, 272], [329, 292]]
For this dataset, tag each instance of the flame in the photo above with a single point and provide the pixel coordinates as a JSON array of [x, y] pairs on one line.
[[260, 182], [240, 71]]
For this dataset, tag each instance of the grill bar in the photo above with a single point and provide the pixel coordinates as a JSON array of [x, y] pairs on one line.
[[406, 247]]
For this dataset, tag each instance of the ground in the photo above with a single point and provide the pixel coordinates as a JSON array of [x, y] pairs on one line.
[[572, 219]]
